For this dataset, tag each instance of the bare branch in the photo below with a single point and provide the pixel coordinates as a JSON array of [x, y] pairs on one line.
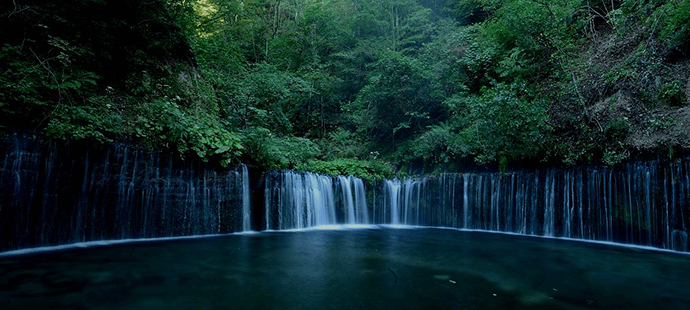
[[57, 83], [15, 8]]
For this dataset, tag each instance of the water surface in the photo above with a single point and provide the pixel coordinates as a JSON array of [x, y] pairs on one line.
[[371, 268]]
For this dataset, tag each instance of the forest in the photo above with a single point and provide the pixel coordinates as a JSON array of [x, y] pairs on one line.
[[359, 87]]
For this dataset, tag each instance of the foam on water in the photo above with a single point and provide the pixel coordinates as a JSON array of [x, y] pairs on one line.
[[318, 228], [329, 227], [90, 244]]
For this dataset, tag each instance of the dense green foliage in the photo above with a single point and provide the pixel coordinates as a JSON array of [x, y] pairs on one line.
[[352, 87], [105, 70]]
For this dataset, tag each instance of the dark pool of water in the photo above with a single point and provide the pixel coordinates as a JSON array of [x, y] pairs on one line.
[[348, 269]]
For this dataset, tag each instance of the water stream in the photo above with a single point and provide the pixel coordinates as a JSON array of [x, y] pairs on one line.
[[55, 193], [643, 204]]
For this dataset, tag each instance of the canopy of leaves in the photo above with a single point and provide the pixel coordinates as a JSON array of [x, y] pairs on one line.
[[345, 86]]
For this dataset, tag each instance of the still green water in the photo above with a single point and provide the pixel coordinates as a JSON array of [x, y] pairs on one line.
[[379, 268]]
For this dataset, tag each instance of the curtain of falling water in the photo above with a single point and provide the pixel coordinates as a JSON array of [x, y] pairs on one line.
[[56, 193], [643, 204], [302, 199]]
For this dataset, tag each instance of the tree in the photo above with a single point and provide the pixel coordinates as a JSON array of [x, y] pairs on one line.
[[503, 124], [398, 101]]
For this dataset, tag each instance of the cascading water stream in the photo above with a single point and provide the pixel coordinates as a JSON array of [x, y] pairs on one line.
[[354, 198], [297, 200], [392, 198], [54, 193], [348, 199], [641, 204], [360, 201], [246, 201]]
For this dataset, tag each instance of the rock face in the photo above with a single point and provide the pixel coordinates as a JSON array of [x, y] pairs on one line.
[[55, 193]]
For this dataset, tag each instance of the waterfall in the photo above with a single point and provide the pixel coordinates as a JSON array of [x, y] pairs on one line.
[[549, 205], [349, 200], [246, 201], [320, 200], [392, 193], [354, 197], [55, 193], [360, 201], [295, 200], [642, 204]]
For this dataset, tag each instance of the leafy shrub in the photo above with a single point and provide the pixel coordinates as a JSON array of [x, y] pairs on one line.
[[433, 145], [163, 123], [96, 120], [33, 88], [615, 155], [370, 170], [664, 123], [677, 28], [615, 151], [666, 94], [617, 129], [269, 150], [672, 94], [342, 143]]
